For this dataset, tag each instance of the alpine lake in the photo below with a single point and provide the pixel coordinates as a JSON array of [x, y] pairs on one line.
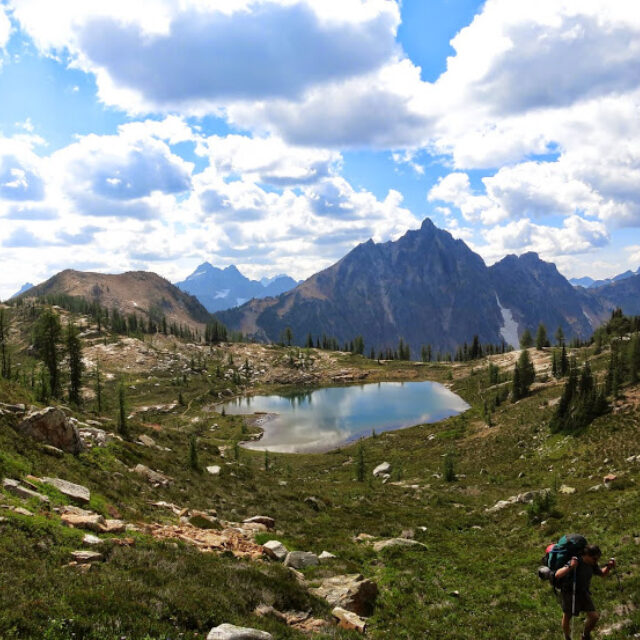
[[322, 419]]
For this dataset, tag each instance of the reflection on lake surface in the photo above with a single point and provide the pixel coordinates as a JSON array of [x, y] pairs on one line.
[[322, 419]]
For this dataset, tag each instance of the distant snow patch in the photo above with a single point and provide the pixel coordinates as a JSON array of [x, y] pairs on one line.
[[509, 330], [240, 301], [222, 294]]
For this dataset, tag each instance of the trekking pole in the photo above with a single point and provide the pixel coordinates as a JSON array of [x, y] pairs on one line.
[[573, 605]]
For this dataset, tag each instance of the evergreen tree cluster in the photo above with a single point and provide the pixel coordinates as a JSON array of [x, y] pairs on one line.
[[132, 323], [475, 351], [581, 401], [523, 376], [5, 354]]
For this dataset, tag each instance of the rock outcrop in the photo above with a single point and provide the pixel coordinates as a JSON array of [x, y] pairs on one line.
[[52, 427], [351, 592]]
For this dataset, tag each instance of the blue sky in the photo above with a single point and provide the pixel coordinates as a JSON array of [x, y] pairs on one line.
[[278, 134]]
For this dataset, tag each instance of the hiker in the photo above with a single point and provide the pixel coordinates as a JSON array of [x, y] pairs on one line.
[[575, 578]]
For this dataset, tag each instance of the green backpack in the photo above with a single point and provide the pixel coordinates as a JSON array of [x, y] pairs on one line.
[[566, 548]]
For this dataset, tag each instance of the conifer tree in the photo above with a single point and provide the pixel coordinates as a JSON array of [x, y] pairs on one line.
[[47, 332], [541, 337], [564, 362], [559, 335], [526, 340], [76, 366]]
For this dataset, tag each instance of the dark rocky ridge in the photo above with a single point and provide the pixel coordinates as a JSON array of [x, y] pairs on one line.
[[429, 288]]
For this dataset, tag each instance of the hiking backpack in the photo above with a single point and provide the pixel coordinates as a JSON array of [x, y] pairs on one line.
[[559, 554]]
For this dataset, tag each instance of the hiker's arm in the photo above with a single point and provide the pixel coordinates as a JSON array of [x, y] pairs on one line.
[[561, 573], [606, 570]]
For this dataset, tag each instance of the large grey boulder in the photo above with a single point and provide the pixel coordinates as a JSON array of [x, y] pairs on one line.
[[275, 550], [231, 632], [74, 491], [52, 427], [301, 559], [351, 592]]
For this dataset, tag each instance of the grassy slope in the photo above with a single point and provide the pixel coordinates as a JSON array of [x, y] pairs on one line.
[[156, 589]]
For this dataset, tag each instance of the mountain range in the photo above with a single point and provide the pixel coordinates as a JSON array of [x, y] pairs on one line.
[[429, 288], [426, 288], [590, 283], [219, 289]]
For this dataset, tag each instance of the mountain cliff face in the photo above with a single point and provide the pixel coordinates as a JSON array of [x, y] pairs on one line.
[[624, 293], [424, 288], [139, 292], [219, 289], [535, 292]]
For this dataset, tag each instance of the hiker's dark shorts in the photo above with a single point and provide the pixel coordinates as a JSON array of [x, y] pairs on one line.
[[583, 602]]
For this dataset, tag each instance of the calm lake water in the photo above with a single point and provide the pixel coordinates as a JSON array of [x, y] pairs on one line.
[[322, 419]]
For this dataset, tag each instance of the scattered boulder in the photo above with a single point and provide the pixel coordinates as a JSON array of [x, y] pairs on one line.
[[90, 540], [349, 619], [351, 592], [398, 542], [74, 491], [113, 526], [275, 550], [13, 486], [314, 503], [301, 559], [268, 522], [567, 490], [231, 632], [382, 469], [154, 477], [22, 511], [52, 427], [364, 537], [498, 506], [92, 522], [325, 556], [84, 557], [146, 440], [609, 478], [214, 470]]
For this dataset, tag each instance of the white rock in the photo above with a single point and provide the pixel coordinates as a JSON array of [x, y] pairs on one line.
[[325, 556], [276, 550], [214, 470], [91, 540], [231, 632], [382, 469]]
